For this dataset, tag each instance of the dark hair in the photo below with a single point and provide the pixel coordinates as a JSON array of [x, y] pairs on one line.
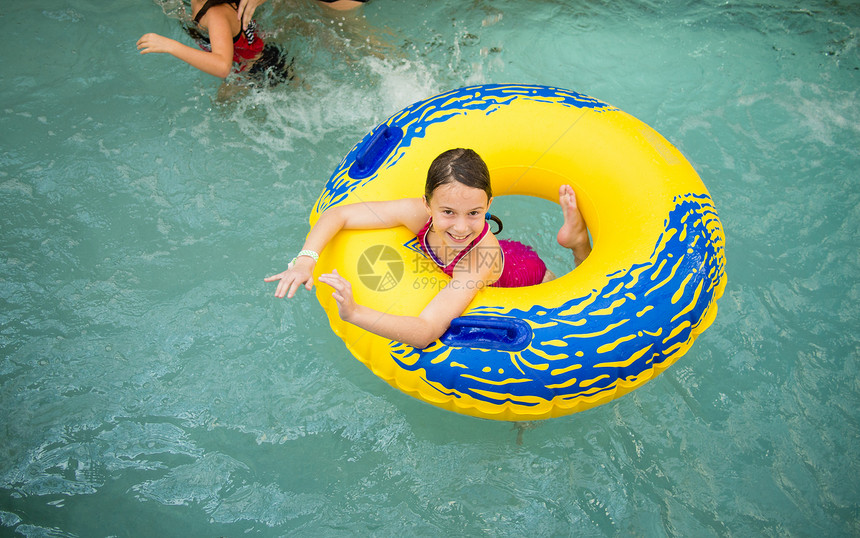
[[463, 166], [460, 165]]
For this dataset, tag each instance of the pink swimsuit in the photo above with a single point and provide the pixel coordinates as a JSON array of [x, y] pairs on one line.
[[521, 266]]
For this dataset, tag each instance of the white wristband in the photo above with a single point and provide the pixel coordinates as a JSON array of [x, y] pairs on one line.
[[310, 254]]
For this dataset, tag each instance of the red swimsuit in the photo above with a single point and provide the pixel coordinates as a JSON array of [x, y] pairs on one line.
[[523, 268]]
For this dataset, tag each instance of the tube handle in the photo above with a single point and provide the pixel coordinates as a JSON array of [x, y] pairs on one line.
[[373, 153], [488, 332]]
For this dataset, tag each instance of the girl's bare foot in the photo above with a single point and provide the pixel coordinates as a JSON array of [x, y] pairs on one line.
[[573, 234]]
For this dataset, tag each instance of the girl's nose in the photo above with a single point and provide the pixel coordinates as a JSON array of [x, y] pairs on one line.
[[461, 227]]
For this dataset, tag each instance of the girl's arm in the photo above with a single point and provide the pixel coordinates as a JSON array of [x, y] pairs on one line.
[[417, 331], [342, 5], [408, 212], [218, 62], [471, 275]]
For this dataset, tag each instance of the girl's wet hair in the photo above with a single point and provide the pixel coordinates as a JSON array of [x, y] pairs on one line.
[[463, 166], [460, 165]]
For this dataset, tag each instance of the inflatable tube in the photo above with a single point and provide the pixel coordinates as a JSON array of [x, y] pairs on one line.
[[636, 304]]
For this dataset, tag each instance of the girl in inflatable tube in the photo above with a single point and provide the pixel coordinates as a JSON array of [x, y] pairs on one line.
[[457, 197]]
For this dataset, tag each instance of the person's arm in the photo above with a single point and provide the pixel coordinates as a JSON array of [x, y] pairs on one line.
[[342, 5], [417, 331], [408, 212], [218, 62], [471, 274], [246, 11]]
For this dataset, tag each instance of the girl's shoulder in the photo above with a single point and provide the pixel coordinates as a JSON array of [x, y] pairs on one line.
[[408, 212], [201, 8]]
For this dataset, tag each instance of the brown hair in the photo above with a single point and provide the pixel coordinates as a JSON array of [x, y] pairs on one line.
[[460, 165]]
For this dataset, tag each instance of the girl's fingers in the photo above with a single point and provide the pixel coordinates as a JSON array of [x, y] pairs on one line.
[[334, 280], [279, 276], [293, 287]]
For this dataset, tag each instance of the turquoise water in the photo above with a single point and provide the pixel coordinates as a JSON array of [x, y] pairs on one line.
[[151, 384]]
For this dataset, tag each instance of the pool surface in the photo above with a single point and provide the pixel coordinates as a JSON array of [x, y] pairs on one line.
[[152, 385]]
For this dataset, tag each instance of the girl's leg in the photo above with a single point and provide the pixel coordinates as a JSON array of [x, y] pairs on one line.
[[573, 234]]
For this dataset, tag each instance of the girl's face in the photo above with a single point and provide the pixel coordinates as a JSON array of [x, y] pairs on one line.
[[458, 213]]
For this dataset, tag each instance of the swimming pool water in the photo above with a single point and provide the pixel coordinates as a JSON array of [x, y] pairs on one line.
[[150, 382]]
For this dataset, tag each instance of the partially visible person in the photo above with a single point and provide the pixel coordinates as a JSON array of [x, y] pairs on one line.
[[225, 46], [248, 7], [343, 5]]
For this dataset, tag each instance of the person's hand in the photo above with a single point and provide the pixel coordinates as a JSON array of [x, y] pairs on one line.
[[154, 43], [298, 273], [246, 11], [346, 305]]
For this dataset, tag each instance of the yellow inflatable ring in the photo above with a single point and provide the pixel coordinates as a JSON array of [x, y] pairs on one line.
[[636, 304]]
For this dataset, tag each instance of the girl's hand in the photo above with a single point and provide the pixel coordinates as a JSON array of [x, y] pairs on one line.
[[246, 11], [154, 43], [346, 305], [301, 272]]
